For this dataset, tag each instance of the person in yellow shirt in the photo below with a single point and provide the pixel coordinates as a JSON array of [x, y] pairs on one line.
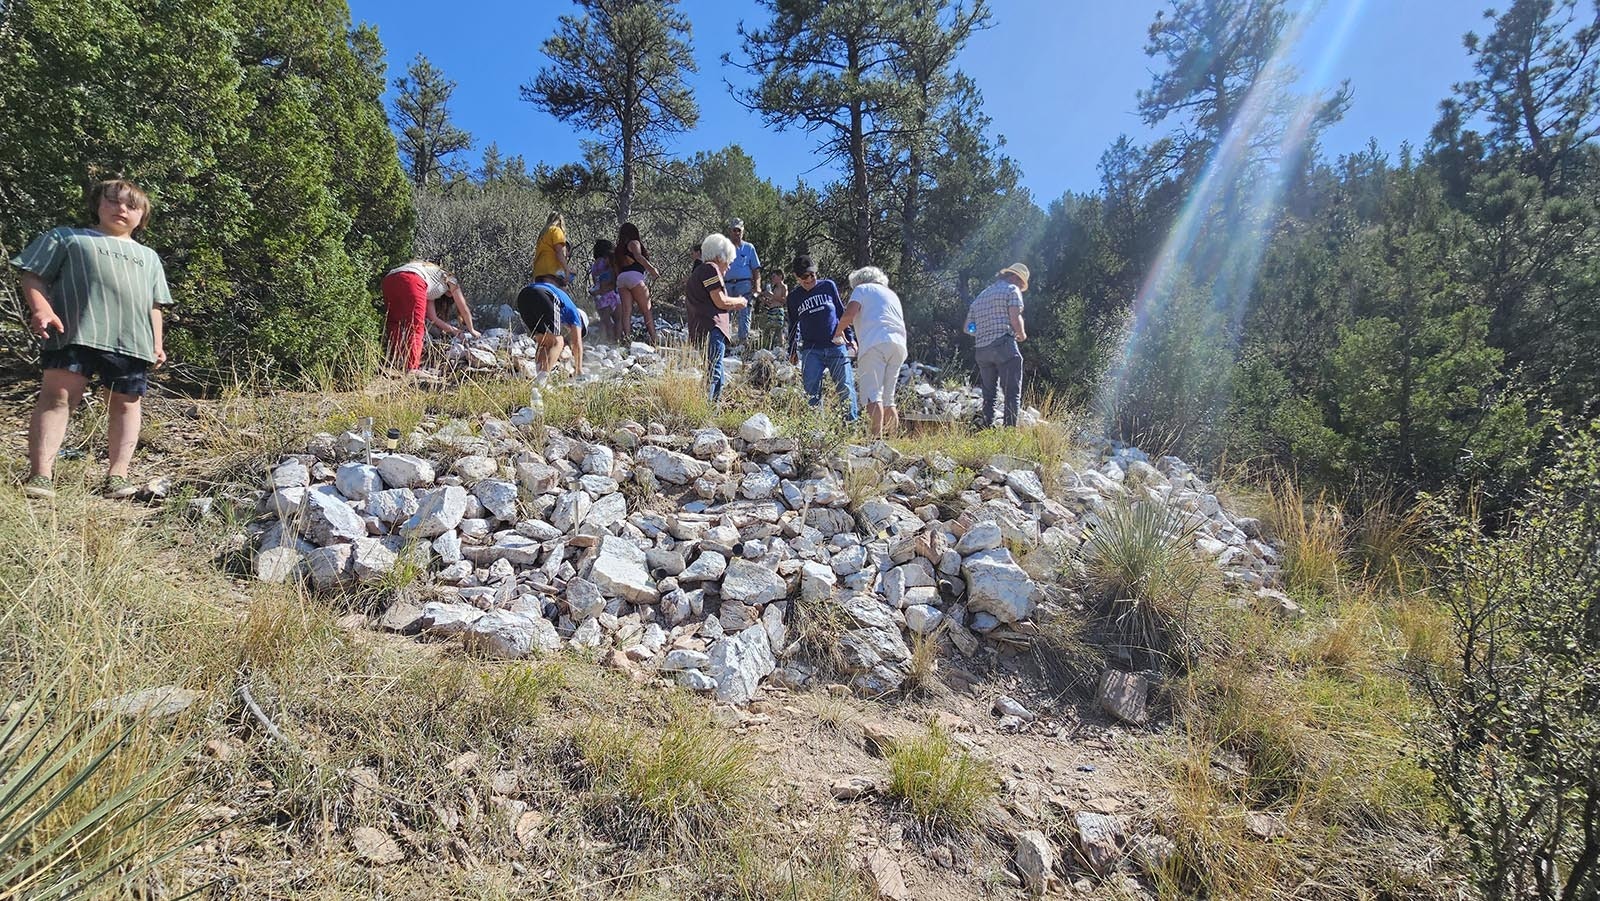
[[550, 254]]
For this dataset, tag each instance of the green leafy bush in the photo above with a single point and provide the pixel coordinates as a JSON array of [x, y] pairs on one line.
[[1518, 750]]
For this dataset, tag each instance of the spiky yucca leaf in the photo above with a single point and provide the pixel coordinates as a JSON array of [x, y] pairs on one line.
[[47, 770]]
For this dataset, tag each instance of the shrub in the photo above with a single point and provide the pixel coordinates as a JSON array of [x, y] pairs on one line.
[[1518, 751]]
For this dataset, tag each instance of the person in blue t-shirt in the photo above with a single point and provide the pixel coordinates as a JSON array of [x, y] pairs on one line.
[[547, 311], [814, 310], [743, 277]]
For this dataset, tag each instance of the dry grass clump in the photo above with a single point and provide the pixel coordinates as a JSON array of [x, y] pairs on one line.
[[818, 624], [688, 779], [942, 787], [1386, 543], [87, 615], [922, 675], [1068, 659], [1312, 533]]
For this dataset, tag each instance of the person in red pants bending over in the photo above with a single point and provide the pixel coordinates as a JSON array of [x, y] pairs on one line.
[[408, 293]]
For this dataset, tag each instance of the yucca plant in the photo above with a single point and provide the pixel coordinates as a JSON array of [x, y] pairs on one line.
[[58, 837], [1141, 567]]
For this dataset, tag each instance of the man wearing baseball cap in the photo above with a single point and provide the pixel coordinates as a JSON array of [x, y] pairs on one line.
[[743, 278], [995, 322]]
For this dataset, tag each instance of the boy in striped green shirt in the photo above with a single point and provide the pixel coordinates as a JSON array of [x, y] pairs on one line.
[[94, 298]]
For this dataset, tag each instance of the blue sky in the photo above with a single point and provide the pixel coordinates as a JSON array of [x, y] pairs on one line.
[[1058, 76]]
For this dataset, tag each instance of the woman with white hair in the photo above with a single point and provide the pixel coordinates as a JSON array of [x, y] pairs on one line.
[[708, 303], [880, 325]]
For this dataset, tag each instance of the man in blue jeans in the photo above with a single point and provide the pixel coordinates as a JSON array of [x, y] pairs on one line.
[[995, 322], [743, 278], [814, 309]]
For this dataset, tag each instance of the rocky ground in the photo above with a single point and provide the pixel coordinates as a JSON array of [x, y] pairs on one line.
[[824, 603], [737, 566]]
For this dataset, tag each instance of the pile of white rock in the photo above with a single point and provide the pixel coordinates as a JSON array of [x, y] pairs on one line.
[[953, 404], [703, 557], [500, 351]]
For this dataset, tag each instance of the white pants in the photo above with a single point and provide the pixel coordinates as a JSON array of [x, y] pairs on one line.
[[877, 370]]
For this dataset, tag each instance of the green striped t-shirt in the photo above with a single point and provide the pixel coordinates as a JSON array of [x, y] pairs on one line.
[[102, 287]]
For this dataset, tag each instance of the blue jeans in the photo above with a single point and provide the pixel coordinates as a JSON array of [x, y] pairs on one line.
[[813, 361], [716, 349], [1000, 367], [742, 317]]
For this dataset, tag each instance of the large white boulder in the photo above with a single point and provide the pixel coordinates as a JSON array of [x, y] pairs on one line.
[[329, 520], [752, 583], [669, 466], [997, 585], [498, 496], [620, 571], [357, 480], [758, 428], [502, 633], [405, 471], [439, 511], [738, 663]]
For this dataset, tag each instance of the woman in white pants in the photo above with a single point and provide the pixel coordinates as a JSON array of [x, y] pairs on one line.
[[880, 325]]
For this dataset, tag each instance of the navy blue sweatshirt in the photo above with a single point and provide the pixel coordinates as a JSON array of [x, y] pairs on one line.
[[813, 315]]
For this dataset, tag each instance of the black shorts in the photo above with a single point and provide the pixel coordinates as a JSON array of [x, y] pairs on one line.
[[538, 310], [119, 372]]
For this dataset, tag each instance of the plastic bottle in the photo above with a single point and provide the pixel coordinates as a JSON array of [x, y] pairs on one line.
[[536, 402]]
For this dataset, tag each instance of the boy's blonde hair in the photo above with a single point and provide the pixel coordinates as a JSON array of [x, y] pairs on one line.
[[555, 219], [124, 190]]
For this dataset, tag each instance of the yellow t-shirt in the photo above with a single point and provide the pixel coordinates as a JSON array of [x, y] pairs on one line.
[[545, 261]]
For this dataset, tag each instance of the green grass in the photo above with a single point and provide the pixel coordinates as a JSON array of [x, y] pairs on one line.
[[943, 788], [1312, 532], [1313, 723], [1047, 444], [689, 777]]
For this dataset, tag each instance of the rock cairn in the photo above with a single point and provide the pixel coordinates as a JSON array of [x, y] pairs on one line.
[[697, 556]]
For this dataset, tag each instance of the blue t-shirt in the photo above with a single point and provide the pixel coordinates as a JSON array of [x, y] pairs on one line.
[[742, 270], [569, 310], [814, 314]]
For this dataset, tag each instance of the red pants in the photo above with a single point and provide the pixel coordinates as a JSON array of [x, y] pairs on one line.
[[405, 321]]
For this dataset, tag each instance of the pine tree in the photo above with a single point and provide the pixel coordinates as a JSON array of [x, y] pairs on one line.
[[830, 68], [617, 70], [428, 139]]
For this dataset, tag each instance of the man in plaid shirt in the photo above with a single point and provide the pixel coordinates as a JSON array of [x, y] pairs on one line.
[[995, 321]]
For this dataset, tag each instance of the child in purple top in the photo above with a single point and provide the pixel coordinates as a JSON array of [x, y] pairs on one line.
[[603, 290]]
